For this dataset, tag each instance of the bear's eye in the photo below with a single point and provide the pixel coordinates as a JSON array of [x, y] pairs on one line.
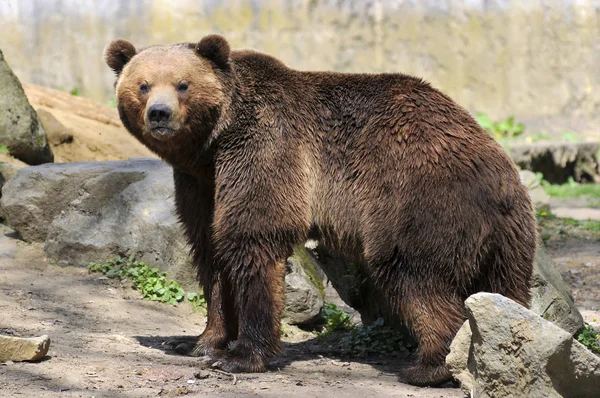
[[144, 88], [182, 87]]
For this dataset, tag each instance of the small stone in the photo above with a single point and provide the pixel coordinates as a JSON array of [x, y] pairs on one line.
[[202, 375], [23, 349]]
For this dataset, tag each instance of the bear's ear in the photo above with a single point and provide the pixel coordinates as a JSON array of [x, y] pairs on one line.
[[118, 53], [216, 49]]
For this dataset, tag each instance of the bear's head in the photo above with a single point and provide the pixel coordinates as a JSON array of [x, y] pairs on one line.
[[171, 97]]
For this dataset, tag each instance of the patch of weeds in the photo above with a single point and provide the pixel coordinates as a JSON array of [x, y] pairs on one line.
[[376, 338], [594, 203], [3, 149], [553, 228], [151, 282], [335, 319], [543, 214], [507, 128], [75, 92], [538, 137], [568, 136], [571, 189], [112, 103], [198, 301], [589, 338]]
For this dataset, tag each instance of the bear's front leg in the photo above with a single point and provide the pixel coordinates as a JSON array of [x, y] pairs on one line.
[[256, 273], [221, 325], [195, 202]]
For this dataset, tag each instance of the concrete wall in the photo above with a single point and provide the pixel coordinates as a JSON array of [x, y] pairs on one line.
[[532, 58]]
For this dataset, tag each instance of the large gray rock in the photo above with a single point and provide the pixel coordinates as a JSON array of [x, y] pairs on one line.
[[550, 297], [20, 128], [93, 211], [558, 161], [304, 292], [513, 352]]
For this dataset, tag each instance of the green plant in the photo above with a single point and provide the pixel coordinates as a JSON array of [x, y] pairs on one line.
[[74, 92], [112, 103], [499, 130], [570, 137], [541, 136], [336, 319], [198, 301], [3, 149], [376, 338], [589, 338], [571, 189], [151, 282]]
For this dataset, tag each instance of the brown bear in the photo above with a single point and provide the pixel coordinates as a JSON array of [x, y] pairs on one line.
[[384, 167]]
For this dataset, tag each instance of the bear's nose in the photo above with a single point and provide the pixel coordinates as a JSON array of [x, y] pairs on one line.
[[159, 113]]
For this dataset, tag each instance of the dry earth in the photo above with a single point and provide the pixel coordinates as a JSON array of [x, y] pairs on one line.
[[80, 129], [108, 342]]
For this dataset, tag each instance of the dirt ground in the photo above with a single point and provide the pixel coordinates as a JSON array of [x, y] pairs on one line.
[[80, 129], [108, 342]]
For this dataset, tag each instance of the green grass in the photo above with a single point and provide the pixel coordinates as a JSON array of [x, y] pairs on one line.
[[151, 282], [589, 338], [507, 128], [3, 149], [592, 226], [594, 203], [335, 319], [571, 189], [553, 228], [112, 103]]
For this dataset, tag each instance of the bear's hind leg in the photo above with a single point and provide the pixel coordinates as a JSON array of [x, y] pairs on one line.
[[434, 316]]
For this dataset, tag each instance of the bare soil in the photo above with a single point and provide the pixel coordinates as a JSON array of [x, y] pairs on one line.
[[108, 342], [575, 251], [80, 129]]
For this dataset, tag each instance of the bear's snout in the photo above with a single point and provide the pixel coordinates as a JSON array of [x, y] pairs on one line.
[[159, 114]]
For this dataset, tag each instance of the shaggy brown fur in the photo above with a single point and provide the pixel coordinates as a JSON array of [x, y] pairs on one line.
[[381, 165]]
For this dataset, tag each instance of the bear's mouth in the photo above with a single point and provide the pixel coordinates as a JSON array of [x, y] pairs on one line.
[[161, 133]]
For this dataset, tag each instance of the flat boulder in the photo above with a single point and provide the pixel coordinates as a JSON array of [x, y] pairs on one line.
[[93, 211]]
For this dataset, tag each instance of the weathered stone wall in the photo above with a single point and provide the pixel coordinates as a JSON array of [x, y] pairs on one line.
[[535, 58]]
